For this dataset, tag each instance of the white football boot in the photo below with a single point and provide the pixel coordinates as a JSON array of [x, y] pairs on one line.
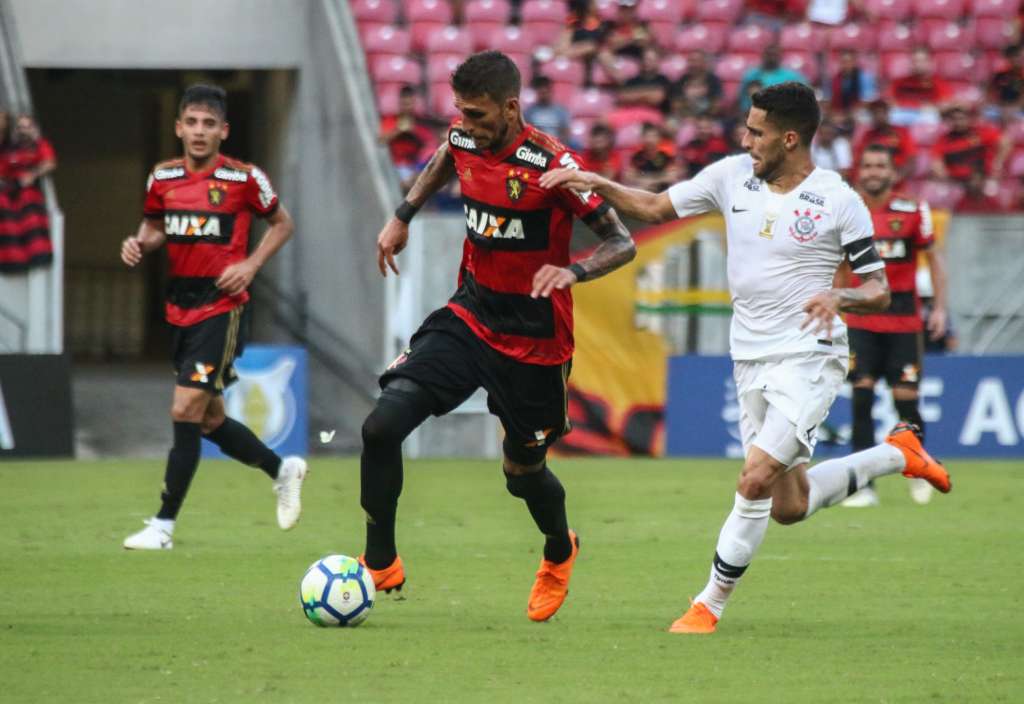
[[155, 536], [865, 498], [288, 487], [920, 490]]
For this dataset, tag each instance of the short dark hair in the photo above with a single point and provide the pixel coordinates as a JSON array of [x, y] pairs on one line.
[[213, 97], [541, 81], [407, 91], [489, 73], [790, 106], [601, 128], [877, 148]]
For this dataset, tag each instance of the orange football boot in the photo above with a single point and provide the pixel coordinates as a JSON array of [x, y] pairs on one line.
[[906, 438], [552, 585], [697, 619], [390, 578]]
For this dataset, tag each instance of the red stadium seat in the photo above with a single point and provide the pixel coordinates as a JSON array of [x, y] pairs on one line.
[[607, 9], [942, 9], [664, 33], [732, 67], [993, 33], [1015, 132], [670, 11], [440, 67], [483, 18], [921, 164], [442, 101], [999, 9], [802, 37], [941, 195], [1009, 194], [1015, 164], [707, 37], [967, 92], [956, 66], [545, 19], [727, 11], [895, 37], [563, 70], [424, 17], [510, 39], [629, 136], [527, 97], [951, 37], [895, 64], [579, 130], [385, 40], [852, 36], [673, 66], [591, 102], [750, 39], [377, 11], [624, 66], [891, 10], [926, 134], [397, 69], [450, 40], [730, 92], [804, 62], [387, 100]]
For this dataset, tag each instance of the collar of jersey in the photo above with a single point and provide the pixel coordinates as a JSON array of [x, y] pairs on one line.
[[218, 162], [516, 143]]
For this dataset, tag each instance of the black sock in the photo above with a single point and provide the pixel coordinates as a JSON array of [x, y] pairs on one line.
[[545, 498], [402, 406], [863, 425], [240, 443], [908, 410], [182, 461]]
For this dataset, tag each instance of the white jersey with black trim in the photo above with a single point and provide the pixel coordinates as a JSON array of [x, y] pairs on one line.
[[782, 250]]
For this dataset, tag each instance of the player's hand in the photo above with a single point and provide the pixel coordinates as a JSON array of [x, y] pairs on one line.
[[573, 179], [550, 277], [821, 311], [937, 323], [391, 240], [131, 251], [236, 278]]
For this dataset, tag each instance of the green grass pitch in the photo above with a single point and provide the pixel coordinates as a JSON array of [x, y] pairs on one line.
[[902, 603]]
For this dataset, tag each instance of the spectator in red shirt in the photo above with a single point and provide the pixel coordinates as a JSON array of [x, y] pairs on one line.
[[967, 146], [408, 137], [975, 198], [896, 137], [24, 225], [707, 146], [922, 87], [600, 155], [653, 167], [583, 34]]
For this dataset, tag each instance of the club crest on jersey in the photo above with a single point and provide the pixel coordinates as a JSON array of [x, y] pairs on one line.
[[804, 227], [895, 224], [215, 194], [491, 226], [515, 184]]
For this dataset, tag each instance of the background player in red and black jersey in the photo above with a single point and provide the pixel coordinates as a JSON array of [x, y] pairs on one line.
[[889, 345], [507, 328], [201, 207]]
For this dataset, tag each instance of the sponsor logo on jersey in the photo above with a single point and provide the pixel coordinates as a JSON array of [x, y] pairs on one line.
[[902, 205], [891, 249], [169, 174], [457, 139], [216, 193], [267, 195], [804, 228], [183, 225], [533, 157], [566, 161], [752, 184], [812, 198], [492, 226], [225, 174]]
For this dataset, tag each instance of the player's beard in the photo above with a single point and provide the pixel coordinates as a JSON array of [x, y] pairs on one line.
[[876, 187]]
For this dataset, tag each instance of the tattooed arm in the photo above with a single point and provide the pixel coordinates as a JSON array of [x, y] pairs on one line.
[[393, 238], [872, 296], [616, 249]]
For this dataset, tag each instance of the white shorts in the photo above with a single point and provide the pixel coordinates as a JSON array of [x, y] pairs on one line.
[[783, 402]]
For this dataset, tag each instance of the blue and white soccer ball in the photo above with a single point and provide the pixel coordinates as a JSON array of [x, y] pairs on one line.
[[337, 591]]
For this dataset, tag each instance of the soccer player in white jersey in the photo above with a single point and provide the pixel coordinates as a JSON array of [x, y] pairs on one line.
[[788, 226]]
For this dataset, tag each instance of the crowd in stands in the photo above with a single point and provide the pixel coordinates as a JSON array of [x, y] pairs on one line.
[[25, 157], [651, 91]]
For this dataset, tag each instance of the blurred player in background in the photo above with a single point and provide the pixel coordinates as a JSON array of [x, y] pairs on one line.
[[788, 225], [888, 345], [201, 206], [507, 328]]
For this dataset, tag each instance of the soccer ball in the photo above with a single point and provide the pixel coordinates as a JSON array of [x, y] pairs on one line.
[[337, 591]]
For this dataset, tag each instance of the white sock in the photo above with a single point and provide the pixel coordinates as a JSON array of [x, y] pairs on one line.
[[834, 480], [164, 524], [741, 535]]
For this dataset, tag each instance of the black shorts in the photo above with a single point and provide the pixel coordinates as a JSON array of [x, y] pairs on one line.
[[204, 354], [893, 356], [530, 400]]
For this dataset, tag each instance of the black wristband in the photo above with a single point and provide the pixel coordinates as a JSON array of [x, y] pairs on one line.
[[405, 211], [581, 273]]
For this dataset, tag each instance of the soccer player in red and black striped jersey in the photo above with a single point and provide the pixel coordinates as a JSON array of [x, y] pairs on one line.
[[507, 328], [201, 207], [889, 345]]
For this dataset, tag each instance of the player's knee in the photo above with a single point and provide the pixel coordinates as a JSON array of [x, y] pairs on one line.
[[864, 382], [904, 393], [518, 459], [788, 514], [188, 410], [536, 482], [754, 483], [211, 423], [396, 414]]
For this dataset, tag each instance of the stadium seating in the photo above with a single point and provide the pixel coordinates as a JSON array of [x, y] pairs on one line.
[[440, 67], [374, 11], [397, 69], [993, 33], [624, 66], [724, 11], [925, 134], [853, 36], [939, 9], [750, 39], [545, 19], [998, 9], [706, 37], [951, 36], [424, 18], [805, 62], [387, 100], [591, 103], [889, 10], [449, 41], [939, 194], [894, 37], [442, 101], [386, 40], [483, 19], [895, 64], [802, 37], [957, 66], [673, 66], [668, 11]]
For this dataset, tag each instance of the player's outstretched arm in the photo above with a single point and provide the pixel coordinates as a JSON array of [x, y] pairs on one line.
[[395, 233], [631, 202], [237, 277], [616, 249], [150, 237], [872, 296]]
